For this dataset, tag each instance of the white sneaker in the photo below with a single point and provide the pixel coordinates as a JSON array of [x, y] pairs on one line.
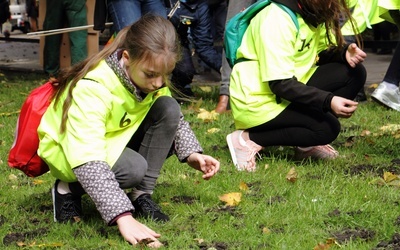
[[388, 94], [242, 152]]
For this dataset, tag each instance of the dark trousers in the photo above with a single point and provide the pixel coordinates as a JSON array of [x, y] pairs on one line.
[[393, 72], [300, 125]]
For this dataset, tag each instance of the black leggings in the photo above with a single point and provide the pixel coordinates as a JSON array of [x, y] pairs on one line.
[[301, 125]]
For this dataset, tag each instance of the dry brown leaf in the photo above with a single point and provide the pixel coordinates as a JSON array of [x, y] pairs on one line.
[[292, 175], [349, 142], [328, 243], [322, 246], [365, 133], [231, 199]]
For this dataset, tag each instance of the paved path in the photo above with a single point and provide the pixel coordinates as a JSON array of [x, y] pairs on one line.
[[24, 56]]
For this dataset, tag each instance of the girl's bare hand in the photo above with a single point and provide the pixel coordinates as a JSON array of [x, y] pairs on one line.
[[135, 232], [354, 55], [343, 107], [204, 163]]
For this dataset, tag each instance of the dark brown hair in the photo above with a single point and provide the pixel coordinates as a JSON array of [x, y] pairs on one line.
[[330, 12]]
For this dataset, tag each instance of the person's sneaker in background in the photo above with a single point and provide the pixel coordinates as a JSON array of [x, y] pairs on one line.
[[387, 94]]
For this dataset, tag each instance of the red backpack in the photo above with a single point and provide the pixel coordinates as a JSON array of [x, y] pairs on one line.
[[23, 153]]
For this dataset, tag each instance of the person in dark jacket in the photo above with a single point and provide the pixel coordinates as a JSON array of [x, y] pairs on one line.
[[193, 18], [4, 11], [294, 82]]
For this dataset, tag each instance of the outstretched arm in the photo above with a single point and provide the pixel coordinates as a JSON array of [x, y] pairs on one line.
[[204, 163]]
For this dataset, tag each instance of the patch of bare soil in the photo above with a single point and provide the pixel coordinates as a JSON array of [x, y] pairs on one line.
[[393, 167], [336, 212], [14, 237], [393, 244], [225, 209], [214, 245], [184, 199], [346, 235]]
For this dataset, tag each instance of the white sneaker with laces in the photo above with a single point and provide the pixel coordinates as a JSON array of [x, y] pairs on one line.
[[388, 94], [242, 152]]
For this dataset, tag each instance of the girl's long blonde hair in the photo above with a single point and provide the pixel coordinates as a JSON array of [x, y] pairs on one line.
[[145, 40]]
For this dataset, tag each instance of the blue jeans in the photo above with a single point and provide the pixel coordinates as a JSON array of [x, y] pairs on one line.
[[126, 12]]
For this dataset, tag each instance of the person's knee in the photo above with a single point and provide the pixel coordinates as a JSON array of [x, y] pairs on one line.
[[168, 106], [130, 169], [332, 132], [360, 73]]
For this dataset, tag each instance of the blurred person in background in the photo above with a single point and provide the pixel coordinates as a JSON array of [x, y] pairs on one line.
[[193, 22], [387, 92], [61, 13], [32, 11]]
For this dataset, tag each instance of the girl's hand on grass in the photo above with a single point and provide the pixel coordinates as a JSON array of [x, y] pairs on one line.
[[354, 55], [135, 232], [343, 107], [204, 163]]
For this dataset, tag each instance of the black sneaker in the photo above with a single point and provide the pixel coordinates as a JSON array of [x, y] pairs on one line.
[[67, 207], [147, 208]]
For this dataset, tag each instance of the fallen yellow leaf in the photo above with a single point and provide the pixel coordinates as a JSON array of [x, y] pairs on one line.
[[12, 177], [206, 89], [213, 130], [243, 186], [388, 177], [38, 182], [292, 175], [231, 199], [266, 230], [390, 128], [365, 133], [207, 116], [373, 86]]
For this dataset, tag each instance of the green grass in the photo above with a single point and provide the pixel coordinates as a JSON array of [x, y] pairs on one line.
[[329, 200]]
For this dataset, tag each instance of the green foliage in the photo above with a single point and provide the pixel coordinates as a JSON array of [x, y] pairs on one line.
[[332, 199]]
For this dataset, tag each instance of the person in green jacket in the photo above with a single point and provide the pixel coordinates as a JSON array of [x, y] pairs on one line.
[[111, 126], [293, 82]]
